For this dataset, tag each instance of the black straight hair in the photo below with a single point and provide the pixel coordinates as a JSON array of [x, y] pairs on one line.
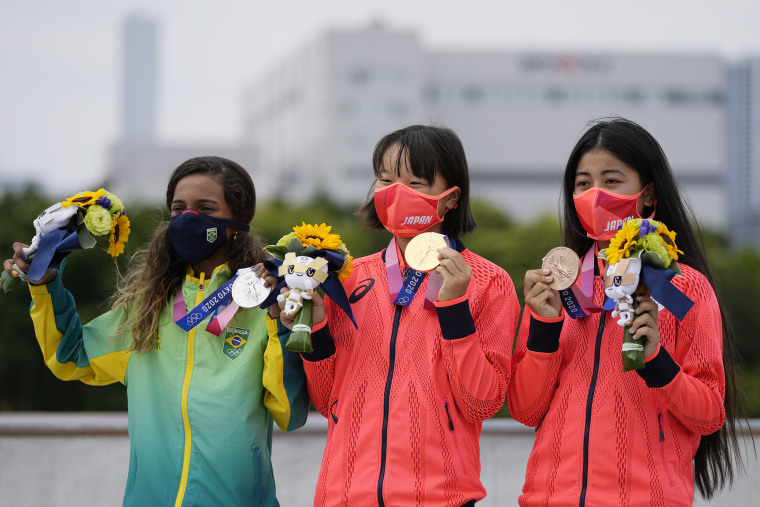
[[629, 142], [433, 152]]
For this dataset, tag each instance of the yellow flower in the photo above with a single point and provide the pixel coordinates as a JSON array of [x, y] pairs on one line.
[[119, 234], [317, 236], [347, 269], [623, 242], [669, 240], [83, 199]]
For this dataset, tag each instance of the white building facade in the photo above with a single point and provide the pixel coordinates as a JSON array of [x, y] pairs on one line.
[[316, 117]]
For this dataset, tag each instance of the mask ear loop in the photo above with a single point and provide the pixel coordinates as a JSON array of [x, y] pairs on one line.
[[442, 196]]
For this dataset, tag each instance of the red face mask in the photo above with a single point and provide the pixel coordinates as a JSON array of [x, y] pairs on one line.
[[602, 212], [405, 212]]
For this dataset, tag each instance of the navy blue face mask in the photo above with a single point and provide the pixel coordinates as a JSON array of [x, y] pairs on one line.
[[196, 237]]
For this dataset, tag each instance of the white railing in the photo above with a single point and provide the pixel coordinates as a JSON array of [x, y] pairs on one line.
[[62, 459]]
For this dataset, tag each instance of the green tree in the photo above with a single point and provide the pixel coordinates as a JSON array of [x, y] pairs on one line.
[[27, 384]]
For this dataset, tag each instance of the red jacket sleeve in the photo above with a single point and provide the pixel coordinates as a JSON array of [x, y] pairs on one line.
[[536, 362], [477, 336], [689, 377]]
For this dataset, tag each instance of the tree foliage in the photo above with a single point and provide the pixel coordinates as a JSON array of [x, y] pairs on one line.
[[27, 384]]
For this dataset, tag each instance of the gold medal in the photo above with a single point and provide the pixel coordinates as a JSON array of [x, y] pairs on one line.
[[422, 251], [565, 266]]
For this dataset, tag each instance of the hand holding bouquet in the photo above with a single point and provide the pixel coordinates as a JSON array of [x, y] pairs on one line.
[[81, 221], [642, 259], [309, 258]]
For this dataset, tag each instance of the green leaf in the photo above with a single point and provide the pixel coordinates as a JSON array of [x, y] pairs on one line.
[[651, 259], [86, 239], [296, 246], [8, 282], [275, 251], [675, 267]]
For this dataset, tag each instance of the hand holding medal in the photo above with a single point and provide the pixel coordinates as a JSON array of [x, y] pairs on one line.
[[565, 267], [546, 289], [422, 251], [449, 274]]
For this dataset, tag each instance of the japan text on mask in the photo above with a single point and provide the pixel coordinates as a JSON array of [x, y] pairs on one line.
[[405, 212], [602, 212]]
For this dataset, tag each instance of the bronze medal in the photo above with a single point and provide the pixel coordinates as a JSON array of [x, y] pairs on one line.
[[565, 266], [422, 251]]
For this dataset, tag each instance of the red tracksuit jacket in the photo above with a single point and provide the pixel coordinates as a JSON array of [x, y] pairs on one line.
[[405, 394], [605, 437]]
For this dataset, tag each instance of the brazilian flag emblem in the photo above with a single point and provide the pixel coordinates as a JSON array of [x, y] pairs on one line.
[[234, 341], [211, 234]]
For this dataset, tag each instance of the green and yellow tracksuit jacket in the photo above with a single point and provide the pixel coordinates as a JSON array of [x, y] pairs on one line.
[[200, 406]]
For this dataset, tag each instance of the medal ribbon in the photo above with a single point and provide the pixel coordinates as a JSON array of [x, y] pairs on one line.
[[412, 281], [211, 305], [577, 298], [403, 290]]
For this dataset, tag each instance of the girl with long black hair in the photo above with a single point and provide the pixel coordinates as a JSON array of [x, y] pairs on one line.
[[605, 437]]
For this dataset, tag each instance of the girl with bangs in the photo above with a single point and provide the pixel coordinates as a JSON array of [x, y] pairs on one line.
[[406, 392]]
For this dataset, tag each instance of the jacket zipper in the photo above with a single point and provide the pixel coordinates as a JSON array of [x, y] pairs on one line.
[[589, 405], [387, 404], [189, 362], [662, 447], [453, 435]]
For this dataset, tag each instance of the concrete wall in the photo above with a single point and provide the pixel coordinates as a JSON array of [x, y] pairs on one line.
[[56, 459]]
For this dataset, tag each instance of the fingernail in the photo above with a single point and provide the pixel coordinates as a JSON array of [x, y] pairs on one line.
[[14, 272], [23, 256], [545, 271], [547, 278]]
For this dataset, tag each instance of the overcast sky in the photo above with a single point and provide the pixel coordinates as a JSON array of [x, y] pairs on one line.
[[60, 81]]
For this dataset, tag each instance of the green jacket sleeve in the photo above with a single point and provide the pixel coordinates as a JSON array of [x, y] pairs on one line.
[[88, 353], [286, 396]]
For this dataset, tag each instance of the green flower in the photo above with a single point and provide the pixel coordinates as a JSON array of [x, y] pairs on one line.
[[652, 243], [98, 220]]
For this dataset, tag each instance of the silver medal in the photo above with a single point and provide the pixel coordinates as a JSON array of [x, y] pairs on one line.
[[248, 290]]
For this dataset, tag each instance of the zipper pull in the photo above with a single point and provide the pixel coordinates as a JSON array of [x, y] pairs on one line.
[[446, 406], [659, 423]]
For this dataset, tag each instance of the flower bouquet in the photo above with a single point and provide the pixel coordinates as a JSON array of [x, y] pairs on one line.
[[81, 221], [642, 260], [309, 258]]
